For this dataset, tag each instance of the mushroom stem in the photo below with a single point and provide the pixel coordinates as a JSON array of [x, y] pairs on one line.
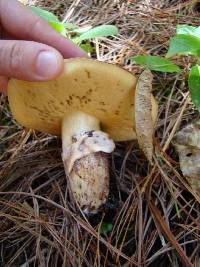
[[85, 161]]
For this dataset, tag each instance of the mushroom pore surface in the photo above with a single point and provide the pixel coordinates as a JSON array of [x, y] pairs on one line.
[[99, 89]]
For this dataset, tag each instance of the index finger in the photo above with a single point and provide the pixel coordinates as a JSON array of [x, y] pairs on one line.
[[23, 24]]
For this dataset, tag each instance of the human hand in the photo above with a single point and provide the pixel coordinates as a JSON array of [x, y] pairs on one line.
[[29, 48]]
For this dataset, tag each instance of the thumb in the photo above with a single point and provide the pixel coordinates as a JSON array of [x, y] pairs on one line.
[[30, 61]]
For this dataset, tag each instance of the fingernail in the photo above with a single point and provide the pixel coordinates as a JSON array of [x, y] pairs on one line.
[[48, 64]]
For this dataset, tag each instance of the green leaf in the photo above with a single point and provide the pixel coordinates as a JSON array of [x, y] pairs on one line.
[[59, 27], [156, 63], [106, 228], [82, 30], [51, 18], [184, 44], [46, 15], [187, 29], [87, 48], [70, 26], [194, 85], [99, 31]]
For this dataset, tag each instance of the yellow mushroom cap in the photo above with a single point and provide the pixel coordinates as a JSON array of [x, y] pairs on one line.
[[102, 90]]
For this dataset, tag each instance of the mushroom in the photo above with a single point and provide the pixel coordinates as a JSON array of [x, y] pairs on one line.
[[87, 105]]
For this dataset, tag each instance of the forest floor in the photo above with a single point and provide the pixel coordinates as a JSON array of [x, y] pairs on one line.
[[154, 213]]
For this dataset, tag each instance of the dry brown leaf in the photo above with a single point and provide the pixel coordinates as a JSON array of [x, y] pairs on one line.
[[144, 114], [187, 143]]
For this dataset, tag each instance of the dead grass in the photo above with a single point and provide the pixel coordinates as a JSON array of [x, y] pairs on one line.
[[154, 212]]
